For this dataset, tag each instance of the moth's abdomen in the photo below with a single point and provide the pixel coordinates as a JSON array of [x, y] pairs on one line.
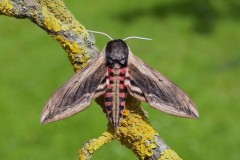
[[115, 96]]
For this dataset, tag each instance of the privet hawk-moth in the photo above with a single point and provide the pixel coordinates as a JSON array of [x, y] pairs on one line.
[[112, 74]]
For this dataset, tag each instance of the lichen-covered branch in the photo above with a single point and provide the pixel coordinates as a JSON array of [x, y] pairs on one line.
[[56, 20], [135, 131]]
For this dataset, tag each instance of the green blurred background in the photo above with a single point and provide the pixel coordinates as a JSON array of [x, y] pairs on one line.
[[196, 44]]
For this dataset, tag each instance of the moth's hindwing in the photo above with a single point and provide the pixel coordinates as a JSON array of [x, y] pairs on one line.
[[77, 94], [146, 84]]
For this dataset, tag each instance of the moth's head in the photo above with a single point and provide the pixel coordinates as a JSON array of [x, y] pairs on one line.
[[117, 53]]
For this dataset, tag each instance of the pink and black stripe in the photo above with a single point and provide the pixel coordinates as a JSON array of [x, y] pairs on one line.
[[115, 96]]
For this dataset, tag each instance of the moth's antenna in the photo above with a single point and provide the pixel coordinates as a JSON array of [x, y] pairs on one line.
[[101, 33], [135, 37]]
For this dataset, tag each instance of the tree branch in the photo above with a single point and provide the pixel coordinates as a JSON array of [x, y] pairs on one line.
[[135, 131], [56, 20]]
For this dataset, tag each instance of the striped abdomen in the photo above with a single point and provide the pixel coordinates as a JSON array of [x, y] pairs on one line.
[[115, 96]]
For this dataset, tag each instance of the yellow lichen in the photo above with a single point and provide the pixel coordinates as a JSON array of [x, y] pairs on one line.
[[6, 7], [54, 21], [135, 131], [169, 154], [75, 52], [51, 22], [68, 21], [91, 146]]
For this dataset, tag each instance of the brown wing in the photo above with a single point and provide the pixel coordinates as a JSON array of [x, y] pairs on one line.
[[147, 84], [77, 94]]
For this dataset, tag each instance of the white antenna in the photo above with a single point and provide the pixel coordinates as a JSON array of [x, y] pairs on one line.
[[101, 33], [135, 37]]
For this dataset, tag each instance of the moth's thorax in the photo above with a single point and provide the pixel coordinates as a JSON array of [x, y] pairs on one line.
[[117, 54]]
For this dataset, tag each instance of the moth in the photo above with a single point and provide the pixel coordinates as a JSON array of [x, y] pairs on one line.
[[115, 73]]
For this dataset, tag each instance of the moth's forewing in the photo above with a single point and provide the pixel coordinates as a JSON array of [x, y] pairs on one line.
[[146, 83], [77, 94]]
